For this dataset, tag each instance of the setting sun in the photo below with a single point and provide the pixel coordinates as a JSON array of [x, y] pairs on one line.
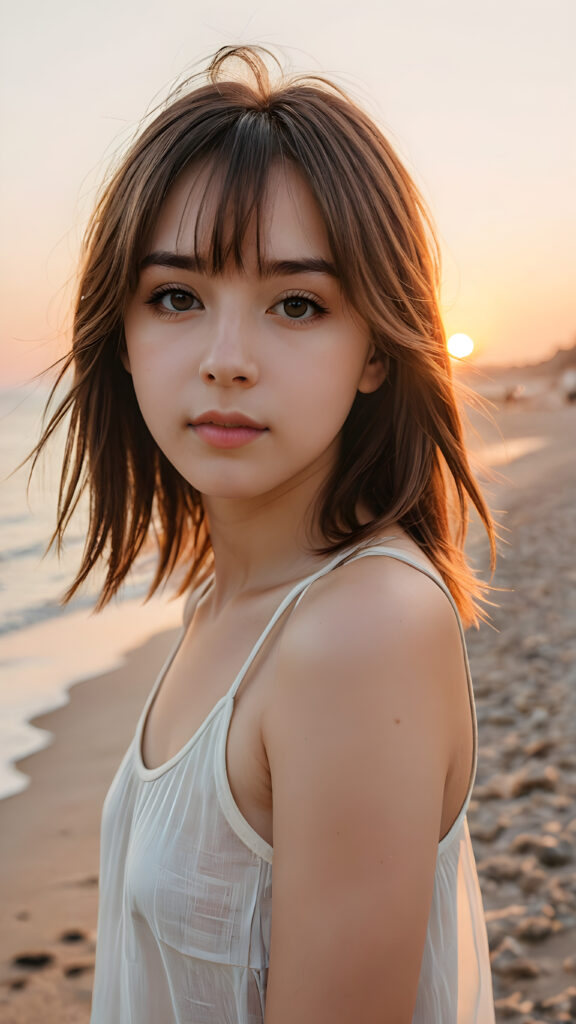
[[460, 346]]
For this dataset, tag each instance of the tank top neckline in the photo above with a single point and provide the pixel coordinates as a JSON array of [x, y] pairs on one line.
[[295, 594], [149, 774]]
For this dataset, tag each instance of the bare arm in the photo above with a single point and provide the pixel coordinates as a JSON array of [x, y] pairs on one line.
[[358, 740]]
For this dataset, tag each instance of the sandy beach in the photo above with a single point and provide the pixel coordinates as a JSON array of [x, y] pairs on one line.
[[522, 817], [49, 842]]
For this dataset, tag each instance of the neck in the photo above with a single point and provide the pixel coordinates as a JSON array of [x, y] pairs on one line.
[[264, 543]]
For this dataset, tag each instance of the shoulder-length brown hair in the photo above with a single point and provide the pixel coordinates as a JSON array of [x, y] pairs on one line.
[[402, 453]]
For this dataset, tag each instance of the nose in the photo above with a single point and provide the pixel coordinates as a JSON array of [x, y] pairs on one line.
[[228, 359]]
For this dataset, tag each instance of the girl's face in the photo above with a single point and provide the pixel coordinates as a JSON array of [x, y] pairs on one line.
[[245, 378]]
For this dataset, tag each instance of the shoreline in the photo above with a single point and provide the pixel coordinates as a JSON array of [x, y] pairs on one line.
[[49, 839], [49, 832], [124, 625], [40, 650], [49, 658]]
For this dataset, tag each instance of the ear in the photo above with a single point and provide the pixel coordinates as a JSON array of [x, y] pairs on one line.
[[375, 371]]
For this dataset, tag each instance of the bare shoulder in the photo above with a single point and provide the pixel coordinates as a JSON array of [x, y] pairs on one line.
[[358, 737], [376, 641], [373, 613]]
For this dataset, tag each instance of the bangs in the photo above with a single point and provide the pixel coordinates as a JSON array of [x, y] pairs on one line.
[[235, 195]]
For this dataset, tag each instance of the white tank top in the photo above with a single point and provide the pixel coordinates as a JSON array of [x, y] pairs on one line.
[[186, 886]]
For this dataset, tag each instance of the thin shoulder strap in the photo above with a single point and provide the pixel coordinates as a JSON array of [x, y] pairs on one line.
[[403, 556], [296, 592]]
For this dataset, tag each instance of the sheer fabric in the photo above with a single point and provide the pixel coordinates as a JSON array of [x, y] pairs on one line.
[[186, 887]]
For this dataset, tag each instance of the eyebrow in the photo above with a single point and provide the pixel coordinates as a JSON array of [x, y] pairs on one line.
[[268, 268]]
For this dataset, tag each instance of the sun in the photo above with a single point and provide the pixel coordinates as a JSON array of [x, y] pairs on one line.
[[460, 346]]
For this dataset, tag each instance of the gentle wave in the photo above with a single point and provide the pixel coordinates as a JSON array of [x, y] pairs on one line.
[[45, 646]]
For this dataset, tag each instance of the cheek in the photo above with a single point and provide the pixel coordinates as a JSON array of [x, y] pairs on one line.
[[329, 379], [318, 399], [153, 365], [153, 389]]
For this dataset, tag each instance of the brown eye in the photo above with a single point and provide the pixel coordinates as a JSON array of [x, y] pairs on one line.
[[299, 308], [180, 301], [169, 301], [296, 307]]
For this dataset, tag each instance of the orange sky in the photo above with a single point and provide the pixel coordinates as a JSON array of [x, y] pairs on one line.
[[479, 99]]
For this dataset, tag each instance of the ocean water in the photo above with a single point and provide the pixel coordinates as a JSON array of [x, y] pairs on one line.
[[45, 647]]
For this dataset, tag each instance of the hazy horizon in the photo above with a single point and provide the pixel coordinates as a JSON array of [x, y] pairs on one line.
[[478, 100]]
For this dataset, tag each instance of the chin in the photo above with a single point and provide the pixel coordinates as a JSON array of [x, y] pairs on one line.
[[225, 486]]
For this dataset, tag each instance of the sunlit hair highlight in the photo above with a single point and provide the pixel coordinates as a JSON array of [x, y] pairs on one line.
[[402, 455]]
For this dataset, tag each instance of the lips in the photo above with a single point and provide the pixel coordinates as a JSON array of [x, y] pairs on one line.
[[227, 419], [227, 430]]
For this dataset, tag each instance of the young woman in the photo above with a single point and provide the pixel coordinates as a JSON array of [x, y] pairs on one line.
[[261, 381]]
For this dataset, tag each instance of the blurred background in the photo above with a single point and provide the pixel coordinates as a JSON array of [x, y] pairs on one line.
[[479, 99]]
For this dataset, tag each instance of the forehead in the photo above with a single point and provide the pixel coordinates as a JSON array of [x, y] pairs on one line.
[[286, 221]]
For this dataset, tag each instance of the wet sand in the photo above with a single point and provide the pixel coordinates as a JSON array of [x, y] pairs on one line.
[[49, 843], [523, 813]]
